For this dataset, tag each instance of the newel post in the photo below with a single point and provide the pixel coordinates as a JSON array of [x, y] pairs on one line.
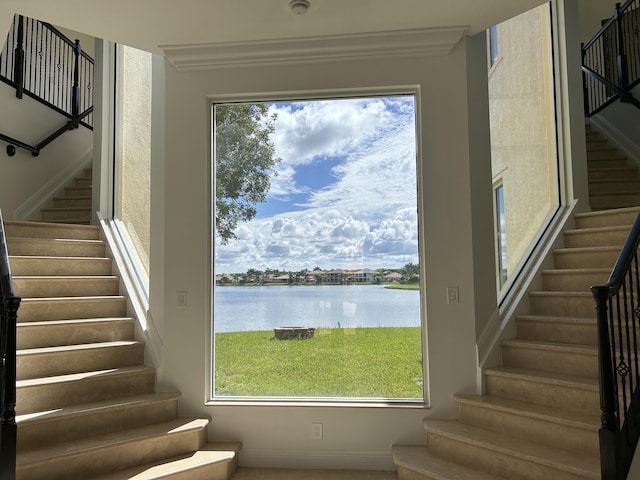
[[75, 94], [8, 427], [18, 63]]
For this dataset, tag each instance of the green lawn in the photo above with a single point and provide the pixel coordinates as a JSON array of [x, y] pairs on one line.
[[341, 362]]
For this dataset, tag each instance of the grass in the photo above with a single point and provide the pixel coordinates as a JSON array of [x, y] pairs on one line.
[[340, 362], [403, 286]]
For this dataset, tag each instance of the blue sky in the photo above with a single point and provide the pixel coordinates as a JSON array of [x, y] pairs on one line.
[[345, 193]]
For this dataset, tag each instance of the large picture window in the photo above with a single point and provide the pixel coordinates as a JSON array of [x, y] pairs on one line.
[[316, 254]]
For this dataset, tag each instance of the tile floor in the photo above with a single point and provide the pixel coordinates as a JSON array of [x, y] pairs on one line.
[[287, 474]]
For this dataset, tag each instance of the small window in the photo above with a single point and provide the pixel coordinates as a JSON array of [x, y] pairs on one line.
[[316, 260], [493, 44], [501, 234]]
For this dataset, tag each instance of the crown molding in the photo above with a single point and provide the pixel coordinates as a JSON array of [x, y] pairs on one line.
[[304, 50]]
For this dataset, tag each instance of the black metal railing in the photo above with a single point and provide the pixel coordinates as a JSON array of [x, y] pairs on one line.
[[8, 317], [41, 62], [618, 315], [611, 60]]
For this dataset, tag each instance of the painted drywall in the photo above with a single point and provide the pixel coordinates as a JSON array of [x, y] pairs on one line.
[[355, 437], [591, 15], [624, 119], [25, 180]]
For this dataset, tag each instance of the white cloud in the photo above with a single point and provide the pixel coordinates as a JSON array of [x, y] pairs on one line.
[[365, 218]]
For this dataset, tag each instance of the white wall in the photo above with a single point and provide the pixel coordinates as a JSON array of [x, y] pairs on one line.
[[354, 437], [25, 180]]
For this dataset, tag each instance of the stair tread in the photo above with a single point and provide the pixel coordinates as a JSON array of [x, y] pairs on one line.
[[589, 230], [69, 449], [557, 346], [559, 319], [539, 376], [75, 377], [94, 407], [575, 271], [79, 321], [532, 410], [65, 209], [73, 241], [76, 347], [594, 249], [48, 258], [604, 213], [65, 277], [207, 455], [420, 459], [578, 464]]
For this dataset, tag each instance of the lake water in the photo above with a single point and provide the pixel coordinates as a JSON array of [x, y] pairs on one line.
[[239, 309]]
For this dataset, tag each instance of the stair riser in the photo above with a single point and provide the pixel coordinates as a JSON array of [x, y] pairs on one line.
[[66, 215], [42, 230], [72, 202], [572, 306], [91, 389], [603, 153], [77, 192], [595, 259], [117, 456], [497, 463], [30, 287], [611, 201], [32, 435], [608, 219], [406, 474], [553, 395], [596, 239], [38, 335], [82, 181], [47, 266], [580, 334], [38, 365], [35, 310], [54, 248], [584, 365], [628, 186], [573, 282], [609, 161], [612, 174], [553, 434]]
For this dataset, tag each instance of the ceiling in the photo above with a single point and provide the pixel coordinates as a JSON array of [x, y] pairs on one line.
[[150, 24]]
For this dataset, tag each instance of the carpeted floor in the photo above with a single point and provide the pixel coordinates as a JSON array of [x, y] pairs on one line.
[[286, 474]]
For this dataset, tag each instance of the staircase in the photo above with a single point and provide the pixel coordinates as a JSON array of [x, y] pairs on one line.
[[540, 415], [86, 403]]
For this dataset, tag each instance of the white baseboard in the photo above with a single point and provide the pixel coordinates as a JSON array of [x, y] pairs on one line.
[[320, 459], [30, 209]]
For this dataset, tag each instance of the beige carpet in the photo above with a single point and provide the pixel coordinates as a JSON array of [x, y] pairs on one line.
[[286, 474]]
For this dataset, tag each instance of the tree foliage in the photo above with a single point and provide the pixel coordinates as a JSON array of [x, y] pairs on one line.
[[410, 272], [245, 157]]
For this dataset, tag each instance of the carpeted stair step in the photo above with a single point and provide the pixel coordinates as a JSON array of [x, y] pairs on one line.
[[627, 185], [563, 358], [49, 266], [574, 279], [418, 462], [55, 247], [597, 237], [65, 286], [77, 201], [70, 308], [53, 333], [611, 173], [213, 461], [543, 424], [66, 215], [77, 191], [110, 452], [572, 330], [586, 257], [73, 389], [566, 392], [605, 201], [610, 218], [41, 429], [505, 455], [51, 230], [571, 304], [68, 359]]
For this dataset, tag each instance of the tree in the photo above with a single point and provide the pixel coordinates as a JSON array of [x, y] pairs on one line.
[[245, 157], [410, 272]]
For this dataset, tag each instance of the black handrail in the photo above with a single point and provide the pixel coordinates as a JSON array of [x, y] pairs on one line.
[[612, 55], [618, 320], [40, 61], [9, 304]]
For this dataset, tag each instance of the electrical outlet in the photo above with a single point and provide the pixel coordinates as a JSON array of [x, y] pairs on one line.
[[181, 299], [453, 296], [316, 431]]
